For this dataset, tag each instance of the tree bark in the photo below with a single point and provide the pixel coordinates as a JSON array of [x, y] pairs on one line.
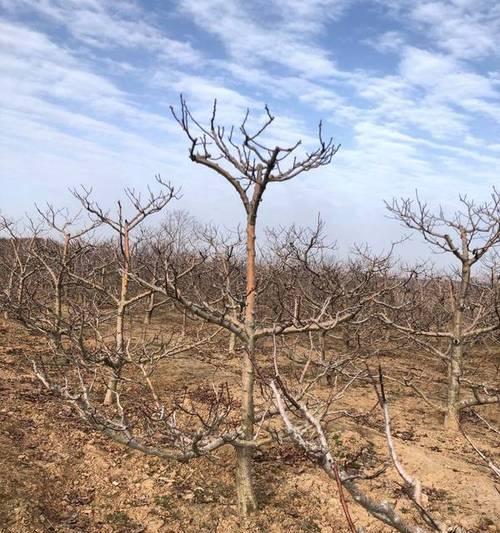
[[326, 379], [247, 501], [184, 322], [451, 420], [58, 293], [149, 311], [232, 343], [120, 344], [120, 319]]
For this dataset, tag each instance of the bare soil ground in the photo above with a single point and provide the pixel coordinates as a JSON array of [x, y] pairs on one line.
[[56, 475]]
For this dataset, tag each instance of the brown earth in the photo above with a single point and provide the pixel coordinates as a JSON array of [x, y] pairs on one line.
[[56, 475]]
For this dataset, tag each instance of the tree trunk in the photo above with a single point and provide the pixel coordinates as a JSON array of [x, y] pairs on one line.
[[149, 311], [346, 337], [112, 386], [58, 293], [232, 343], [110, 396], [184, 322], [58, 314], [451, 420], [247, 501], [326, 379], [148, 317], [232, 336]]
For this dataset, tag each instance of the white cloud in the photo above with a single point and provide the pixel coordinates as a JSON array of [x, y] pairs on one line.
[[389, 41], [104, 24], [446, 77], [250, 39], [40, 73], [85, 99], [466, 29]]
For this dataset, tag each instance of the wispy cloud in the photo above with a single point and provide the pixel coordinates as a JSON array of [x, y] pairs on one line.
[[283, 39], [109, 24], [412, 95]]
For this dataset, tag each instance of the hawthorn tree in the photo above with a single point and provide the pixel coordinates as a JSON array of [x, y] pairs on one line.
[[249, 167], [469, 305], [122, 298], [250, 296], [18, 264]]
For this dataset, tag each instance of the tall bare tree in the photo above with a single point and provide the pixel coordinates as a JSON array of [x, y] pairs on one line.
[[242, 158], [321, 301]]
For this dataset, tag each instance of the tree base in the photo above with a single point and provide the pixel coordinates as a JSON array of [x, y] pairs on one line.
[[451, 423], [247, 502]]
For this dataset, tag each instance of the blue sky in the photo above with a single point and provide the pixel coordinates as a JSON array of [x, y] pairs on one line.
[[410, 89]]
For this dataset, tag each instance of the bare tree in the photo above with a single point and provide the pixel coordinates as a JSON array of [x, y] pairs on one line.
[[250, 167], [298, 289], [124, 227], [57, 254], [17, 263], [44, 253], [469, 305]]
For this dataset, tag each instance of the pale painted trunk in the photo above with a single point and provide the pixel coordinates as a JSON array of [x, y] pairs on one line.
[[112, 385], [232, 343], [149, 311], [326, 379], [58, 314], [232, 336], [184, 322], [452, 416], [113, 382]]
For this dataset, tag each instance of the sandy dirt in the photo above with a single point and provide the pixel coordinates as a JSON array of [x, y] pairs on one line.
[[56, 475]]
